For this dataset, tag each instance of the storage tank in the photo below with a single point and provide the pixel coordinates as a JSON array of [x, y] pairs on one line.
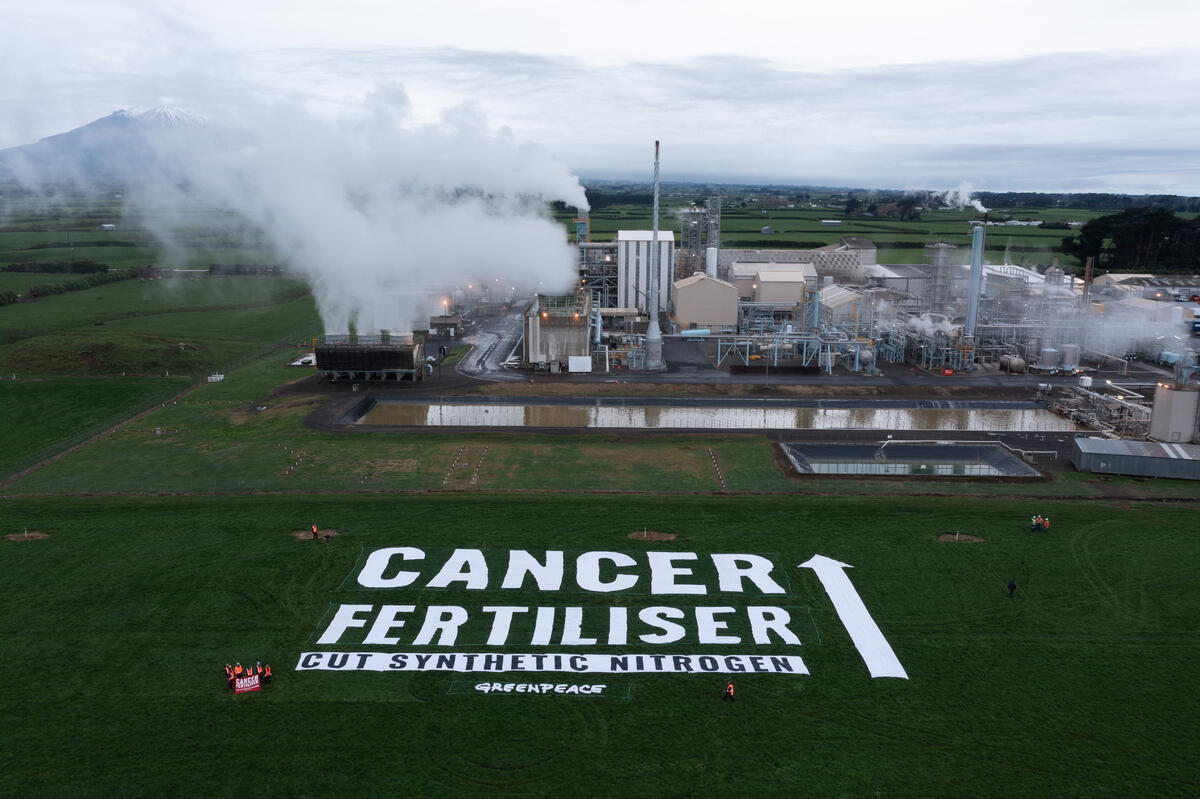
[[1085, 381], [1173, 418], [1017, 364], [1070, 356], [710, 262], [866, 358], [1050, 359], [1006, 363]]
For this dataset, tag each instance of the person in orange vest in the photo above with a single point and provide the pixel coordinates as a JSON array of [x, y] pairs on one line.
[[229, 674], [267, 675], [258, 669], [314, 529], [237, 670], [728, 692], [1046, 524]]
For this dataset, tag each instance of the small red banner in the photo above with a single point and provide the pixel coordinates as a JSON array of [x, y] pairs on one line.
[[947, 372], [243, 684]]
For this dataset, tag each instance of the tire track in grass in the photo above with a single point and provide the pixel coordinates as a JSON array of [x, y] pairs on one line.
[[1079, 547]]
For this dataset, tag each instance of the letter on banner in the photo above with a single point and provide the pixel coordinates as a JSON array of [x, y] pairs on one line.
[[731, 574], [465, 566], [663, 573], [876, 652], [377, 562], [657, 617], [343, 620], [587, 572], [708, 629], [444, 620], [548, 576]]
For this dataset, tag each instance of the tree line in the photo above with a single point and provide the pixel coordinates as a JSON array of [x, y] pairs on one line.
[[1138, 240]]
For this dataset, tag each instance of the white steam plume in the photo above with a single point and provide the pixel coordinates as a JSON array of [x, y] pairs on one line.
[[381, 215], [960, 197], [931, 324]]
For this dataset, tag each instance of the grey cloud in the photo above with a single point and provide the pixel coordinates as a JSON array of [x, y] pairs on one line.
[[1080, 121]]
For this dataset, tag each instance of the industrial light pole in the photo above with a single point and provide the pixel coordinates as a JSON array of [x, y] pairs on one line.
[[654, 342]]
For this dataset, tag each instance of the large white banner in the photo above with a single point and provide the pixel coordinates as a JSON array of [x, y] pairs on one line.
[[549, 662], [401, 585]]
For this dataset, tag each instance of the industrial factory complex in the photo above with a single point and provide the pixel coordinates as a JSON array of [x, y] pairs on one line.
[[1114, 354]]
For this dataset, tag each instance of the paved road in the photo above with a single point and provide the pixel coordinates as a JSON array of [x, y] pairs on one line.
[[493, 339]]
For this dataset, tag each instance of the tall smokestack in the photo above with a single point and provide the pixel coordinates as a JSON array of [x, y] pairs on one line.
[[976, 280], [654, 342]]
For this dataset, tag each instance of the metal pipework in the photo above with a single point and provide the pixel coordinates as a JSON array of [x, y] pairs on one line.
[[976, 281]]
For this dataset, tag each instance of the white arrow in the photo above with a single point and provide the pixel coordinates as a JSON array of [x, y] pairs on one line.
[[864, 632]]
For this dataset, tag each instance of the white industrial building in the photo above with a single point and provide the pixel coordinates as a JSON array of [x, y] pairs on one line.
[[745, 274], [633, 268], [705, 302], [556, 330], [840, 305], [781, 287]]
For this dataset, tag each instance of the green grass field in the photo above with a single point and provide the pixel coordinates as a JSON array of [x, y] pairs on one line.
[[898, 242], [116, 628], [45, 417], [171, 553]]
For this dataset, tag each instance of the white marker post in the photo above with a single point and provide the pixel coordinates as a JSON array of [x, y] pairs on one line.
[[876, 652]]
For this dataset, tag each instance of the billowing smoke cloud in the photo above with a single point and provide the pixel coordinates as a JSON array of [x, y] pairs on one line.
[[931, 324], [960, 197], [382, 215]]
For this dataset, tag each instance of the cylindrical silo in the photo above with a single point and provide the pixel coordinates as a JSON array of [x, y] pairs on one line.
[[1050, 359], [710, 262], [1070, 356]]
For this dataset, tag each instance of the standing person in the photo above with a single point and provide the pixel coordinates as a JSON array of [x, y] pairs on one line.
[[314, 529], [728, 695], [267, 675], [229, 675], [1012, 588], [1046, 524]]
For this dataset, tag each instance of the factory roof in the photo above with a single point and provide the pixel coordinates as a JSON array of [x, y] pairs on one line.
[[1012, 270], [894, 270], [1120, 280], [1138, 449], [858, 242], [645, 235], [1158, 281], [754, 268], [699, 277], [782, 276], [837, 296]]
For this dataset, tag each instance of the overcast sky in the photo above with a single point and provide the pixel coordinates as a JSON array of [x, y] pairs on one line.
[[1057, 96]]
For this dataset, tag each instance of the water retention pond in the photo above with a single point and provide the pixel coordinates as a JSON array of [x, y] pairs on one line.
[[615, 414]]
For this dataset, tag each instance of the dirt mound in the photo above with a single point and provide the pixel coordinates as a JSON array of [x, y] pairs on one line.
[[961, 538], [306, 535], [30, 535], [651, 535]]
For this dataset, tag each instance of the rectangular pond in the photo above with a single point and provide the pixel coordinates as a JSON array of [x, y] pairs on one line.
[[387, 413], [908, 459]]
